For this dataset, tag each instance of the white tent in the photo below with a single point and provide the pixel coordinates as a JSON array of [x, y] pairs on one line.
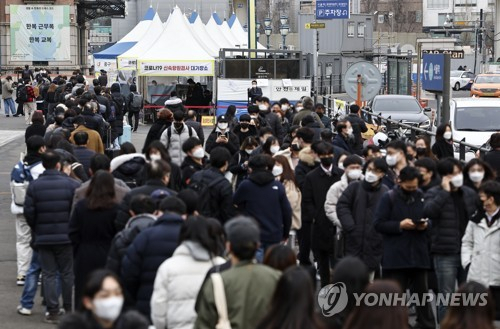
[[203, 38], [240, 33], [227, 32], [106, 59], [216, 32], [128, 60], [176, 52]]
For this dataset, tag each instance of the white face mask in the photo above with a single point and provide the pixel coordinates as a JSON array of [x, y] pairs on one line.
[[299, 108], [262, 107], [349, 131], [354, 174], [284, 107], [392, 160], [108, 308], [457, 180], [274, 149], [155, 156], [447, 135], [371, 177], [277, 170], [222, 125], [254, 85], [476, 176], [199, 153], [249, 151]]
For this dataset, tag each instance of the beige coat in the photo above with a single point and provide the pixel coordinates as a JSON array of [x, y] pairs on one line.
[[295, 198]]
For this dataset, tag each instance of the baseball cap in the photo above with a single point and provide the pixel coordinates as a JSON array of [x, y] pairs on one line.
[[242, 230], [222, 118], [245, 117]]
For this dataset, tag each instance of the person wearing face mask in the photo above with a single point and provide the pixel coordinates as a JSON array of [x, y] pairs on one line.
[[400, 219], [271, 146], [307, 158], [174, 136], [423, 148], [288, 109], [264, 199], [449, 207], [478, 172], [103, 306], [355, 209], [222, 136], [308, 109], [482, 236], [396, 160], [358, 127], [314, 190], [345, 136], [273, 121], [352, 166], [321, 112], [239, 163], [443, 147], [195, 159], [428, 174], [244, 129], [284, 173], [254, 92]]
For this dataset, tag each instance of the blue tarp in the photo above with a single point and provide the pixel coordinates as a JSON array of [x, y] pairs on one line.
[[114, 51]]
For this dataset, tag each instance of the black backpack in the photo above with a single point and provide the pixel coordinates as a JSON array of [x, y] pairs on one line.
[[205, 189], [22, 94]]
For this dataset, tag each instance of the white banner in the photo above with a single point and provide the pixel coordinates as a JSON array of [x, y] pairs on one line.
[[125, 63], [176, 68], [108, 65], [237, 89], [39, 33]]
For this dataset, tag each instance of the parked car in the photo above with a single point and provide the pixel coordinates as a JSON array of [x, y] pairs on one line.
[[486, 85], [402, 108], [459, 80]]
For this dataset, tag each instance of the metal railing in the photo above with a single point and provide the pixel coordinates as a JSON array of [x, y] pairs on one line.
[[392, 125]]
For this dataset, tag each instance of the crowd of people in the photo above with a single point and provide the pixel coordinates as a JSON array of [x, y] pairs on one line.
[[240, 229]]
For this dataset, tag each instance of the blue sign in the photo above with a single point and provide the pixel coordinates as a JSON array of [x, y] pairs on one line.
[[332, 9], [433, 72]]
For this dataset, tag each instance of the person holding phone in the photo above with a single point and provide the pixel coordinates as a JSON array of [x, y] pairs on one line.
[[449, 207], [400, 219]]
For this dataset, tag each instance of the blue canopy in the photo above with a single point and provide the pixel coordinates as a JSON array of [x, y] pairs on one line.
[[115, 50]]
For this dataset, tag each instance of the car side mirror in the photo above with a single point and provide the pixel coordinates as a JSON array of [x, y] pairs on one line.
[[427, 109]]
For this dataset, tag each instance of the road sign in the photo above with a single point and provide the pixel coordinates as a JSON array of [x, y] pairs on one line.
[[433, 72], [454, 54], [332, 9], [371, 80], [315, 26]]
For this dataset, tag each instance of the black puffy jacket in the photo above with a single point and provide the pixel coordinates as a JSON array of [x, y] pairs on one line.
[[129, 168], [145, 255], [447, 230], [47, 207]]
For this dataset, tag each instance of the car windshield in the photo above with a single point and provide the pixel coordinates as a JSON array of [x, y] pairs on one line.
[[488, 79], [456, 74], [407, 105], [477, 118]]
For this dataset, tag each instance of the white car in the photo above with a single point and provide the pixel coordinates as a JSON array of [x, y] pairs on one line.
[[460, 79], [474, 119]]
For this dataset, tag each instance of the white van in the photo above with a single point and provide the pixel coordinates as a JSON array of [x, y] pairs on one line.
[[474, 119]]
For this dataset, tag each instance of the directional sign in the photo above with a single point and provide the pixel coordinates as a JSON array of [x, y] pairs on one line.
[[332, 9], [454, 54], [315, 26], [433, 72]]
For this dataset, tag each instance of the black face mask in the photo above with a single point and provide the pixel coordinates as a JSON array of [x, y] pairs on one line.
[[244, 125], [326, 162], [421, 151], [295, 147], [178, 126]]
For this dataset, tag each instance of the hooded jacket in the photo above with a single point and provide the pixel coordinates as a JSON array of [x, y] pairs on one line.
[[264, 198], [177, 284], [128, 168], [332, 199], [30, 160], [174, 104], [305, 165]]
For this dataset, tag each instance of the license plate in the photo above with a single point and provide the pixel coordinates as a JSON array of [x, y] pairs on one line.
[[488, 94]]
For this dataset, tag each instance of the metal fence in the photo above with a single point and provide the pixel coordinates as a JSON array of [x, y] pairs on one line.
[[391, 125]]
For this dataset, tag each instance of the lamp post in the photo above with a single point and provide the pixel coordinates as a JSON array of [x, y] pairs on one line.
[[268, 29], [284, 29], [257, 31]]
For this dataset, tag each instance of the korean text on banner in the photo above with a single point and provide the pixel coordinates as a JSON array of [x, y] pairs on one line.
[[332, 9], [39, 33], [163, 68], [126, 63], [105, 64]]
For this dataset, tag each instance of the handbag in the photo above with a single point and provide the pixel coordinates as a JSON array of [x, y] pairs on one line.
[[220, 302]]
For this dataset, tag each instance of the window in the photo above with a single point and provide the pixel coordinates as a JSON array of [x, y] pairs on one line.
[[361, 30], [437, 4], [465, 3], [350, 29], [418, 16]]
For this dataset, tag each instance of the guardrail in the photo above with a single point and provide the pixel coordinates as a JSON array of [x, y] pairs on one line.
[[393, 125]]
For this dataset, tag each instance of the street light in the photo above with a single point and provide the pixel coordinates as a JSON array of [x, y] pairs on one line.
[[283, 19], [284, 32], [267, 22], [268, 31], [257, 30]]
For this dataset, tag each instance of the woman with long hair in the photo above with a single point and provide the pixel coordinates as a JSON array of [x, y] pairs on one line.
[[102, 306], [293, 303], [379, 316], [271, 146], [443, 147], [157, 151], [280, 257], [91, 228], [239, 164], [285, 174], [423, 147], [180, 277], [466, 316], [476, 172], [50, 99]]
